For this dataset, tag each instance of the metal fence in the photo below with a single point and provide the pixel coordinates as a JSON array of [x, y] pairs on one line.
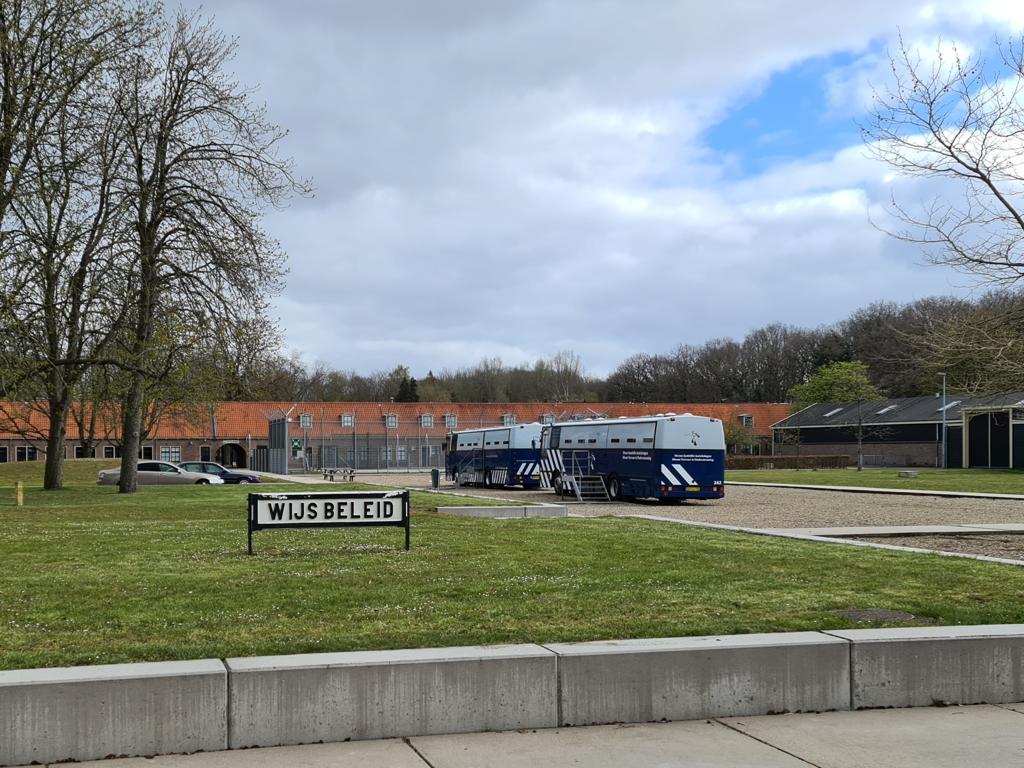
[[298, 445]]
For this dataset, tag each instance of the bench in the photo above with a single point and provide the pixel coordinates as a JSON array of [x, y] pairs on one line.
[[342, 475]]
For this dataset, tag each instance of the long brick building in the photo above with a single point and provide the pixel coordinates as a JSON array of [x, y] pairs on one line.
[[361, 435]]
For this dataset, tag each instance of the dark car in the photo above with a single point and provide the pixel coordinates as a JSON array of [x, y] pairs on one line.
[[227, 475]]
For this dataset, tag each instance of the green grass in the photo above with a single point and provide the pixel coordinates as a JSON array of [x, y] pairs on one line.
[[91, 576], [970, 480]]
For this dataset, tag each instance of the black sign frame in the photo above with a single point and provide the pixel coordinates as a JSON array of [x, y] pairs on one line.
[[403, 496]]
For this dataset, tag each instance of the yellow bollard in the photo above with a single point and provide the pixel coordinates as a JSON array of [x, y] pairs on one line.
[[19, 492]]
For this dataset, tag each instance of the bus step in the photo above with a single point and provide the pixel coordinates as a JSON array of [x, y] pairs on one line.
[[591, 488]]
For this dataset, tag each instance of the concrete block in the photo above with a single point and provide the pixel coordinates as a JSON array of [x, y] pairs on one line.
[[497, 513], [86, 713], [548, 510], [280, 700], [699, 677], [921, 666]]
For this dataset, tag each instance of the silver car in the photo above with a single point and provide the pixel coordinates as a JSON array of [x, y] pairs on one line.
[[160, 473]]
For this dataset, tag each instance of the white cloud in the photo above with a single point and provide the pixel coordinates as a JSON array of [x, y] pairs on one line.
[[512, 179]]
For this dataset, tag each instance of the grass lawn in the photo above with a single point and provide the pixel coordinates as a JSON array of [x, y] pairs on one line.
[[972, 480], [90, 576]]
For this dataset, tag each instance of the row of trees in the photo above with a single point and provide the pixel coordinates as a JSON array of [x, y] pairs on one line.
[[902, 346], [133, 174]]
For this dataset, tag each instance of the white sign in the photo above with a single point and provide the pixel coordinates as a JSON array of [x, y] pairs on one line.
[[316, 510]]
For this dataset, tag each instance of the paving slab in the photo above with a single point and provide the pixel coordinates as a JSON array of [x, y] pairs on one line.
[[392, 753], [931, 737], [699, 744]]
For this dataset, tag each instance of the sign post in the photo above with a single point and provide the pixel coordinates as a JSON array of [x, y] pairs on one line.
[[329, 510]]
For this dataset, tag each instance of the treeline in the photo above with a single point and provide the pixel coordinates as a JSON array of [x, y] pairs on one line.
[[904, 346]]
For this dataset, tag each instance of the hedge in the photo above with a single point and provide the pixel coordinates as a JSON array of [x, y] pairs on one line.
[[787, 462]]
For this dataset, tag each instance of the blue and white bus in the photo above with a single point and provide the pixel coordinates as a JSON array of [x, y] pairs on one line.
[[666, 457], [495, 457]]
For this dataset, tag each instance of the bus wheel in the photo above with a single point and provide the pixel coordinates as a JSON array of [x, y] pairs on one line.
[[614, 488], [487, 478], [556, 482]]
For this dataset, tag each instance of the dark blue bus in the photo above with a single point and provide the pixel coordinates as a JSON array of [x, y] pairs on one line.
[[665, 457], [495, 457]]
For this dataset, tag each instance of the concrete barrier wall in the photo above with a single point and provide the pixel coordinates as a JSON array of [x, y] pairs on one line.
[[923, 666], [375, 694], [84, 713], [696, 677]]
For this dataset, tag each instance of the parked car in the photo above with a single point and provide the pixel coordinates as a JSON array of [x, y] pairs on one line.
[[227, 475], [160, 473]]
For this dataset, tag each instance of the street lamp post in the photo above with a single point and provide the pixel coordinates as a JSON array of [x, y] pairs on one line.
[[943, 375]]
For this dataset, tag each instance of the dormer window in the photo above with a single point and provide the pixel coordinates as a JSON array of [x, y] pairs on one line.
[[746, 420], [391, 421], [348, 420], [508, 420], [427, 421]]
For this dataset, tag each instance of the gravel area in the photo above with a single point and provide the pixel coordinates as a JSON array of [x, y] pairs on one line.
[[759, 507], [1010, 546]]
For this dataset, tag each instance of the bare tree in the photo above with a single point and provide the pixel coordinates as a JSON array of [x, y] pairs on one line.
[[48, 50], [203, 165], [960, 122], [59, 279]]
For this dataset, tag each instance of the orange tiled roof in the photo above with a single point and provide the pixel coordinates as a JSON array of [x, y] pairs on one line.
[[242, 420]]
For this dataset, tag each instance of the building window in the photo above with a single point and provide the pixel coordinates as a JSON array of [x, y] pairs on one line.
[[427, 421], [451, 421], [26, 453], [403, 456], [391, 421], [547, 418], [146, 453], [111, 451], [350, 456], [364, 456], [170, 453], [508, 420], [305, 421], [204, 453], [3, 454], [348, 420], [746, 421], [387, 455]]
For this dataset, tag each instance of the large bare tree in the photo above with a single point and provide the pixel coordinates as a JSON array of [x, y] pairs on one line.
[[203, 164], [958, 123], [60, 146]]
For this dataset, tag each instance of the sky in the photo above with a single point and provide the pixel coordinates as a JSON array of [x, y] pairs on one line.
[[512, 178]]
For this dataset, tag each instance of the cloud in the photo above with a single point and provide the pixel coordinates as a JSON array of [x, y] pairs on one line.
[[511, 179]]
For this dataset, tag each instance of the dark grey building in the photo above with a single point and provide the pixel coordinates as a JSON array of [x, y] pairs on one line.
[[981, 431]]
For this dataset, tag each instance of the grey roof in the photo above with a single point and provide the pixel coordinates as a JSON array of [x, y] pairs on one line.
[[903, 410]]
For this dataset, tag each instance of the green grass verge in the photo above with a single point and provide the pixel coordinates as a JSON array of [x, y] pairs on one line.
[[91, 576], [969, 480]]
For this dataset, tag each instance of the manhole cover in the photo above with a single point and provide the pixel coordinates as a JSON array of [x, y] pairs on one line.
[[870, 615]]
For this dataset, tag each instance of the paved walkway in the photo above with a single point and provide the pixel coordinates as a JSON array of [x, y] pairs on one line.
[[892, 491], [949, 737]]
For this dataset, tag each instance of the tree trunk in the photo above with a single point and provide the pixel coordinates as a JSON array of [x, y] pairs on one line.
[[131, 436], [53, 473]]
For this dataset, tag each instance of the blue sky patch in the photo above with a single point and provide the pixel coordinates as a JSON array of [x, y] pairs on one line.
[[790, 118]]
